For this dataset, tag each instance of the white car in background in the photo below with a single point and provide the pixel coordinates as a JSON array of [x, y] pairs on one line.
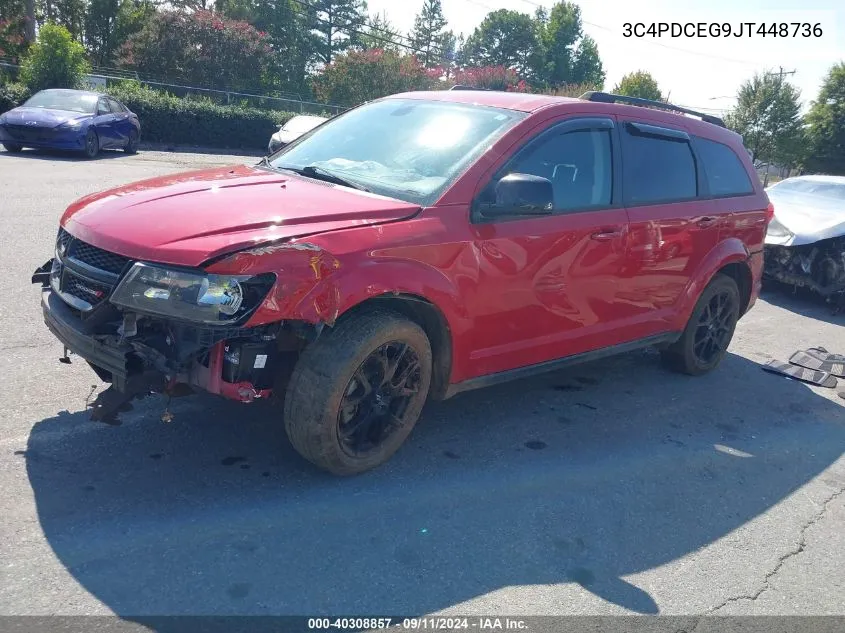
[[805, 242], [292, 130]]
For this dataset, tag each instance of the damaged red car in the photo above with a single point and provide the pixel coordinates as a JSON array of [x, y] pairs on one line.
[[412, 248]]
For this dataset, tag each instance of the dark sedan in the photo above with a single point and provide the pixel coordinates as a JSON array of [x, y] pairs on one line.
[[71, 120]]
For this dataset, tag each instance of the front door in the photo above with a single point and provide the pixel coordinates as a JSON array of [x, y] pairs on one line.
[[104, 123], [548, 286]]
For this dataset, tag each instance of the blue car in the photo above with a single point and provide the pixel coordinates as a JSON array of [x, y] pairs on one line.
[[71, 120]]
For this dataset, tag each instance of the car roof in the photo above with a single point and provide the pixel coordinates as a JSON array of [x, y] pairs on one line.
[[81, 92], [526, 102]]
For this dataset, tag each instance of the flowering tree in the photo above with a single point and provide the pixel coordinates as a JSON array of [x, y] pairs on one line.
[[359, 76], [491, 78], [200, 48]]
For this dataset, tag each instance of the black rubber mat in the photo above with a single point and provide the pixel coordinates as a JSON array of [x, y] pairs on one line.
[[820, 359], [812, 376]]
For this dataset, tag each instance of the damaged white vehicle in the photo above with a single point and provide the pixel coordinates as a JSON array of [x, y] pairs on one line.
[[805, 242]]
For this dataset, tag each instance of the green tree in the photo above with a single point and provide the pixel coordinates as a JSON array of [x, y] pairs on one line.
[[380, 33], [428, 32], [109, 23], [359, 76], [767, 117], [566, 54], [12, 28], [504, 38], [337, 25], [290, 40], [639, 84], [55, 60], [826, 125], [200, 48], [67, 13]]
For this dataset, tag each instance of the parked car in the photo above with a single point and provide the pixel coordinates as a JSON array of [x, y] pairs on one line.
[[413, 248], [805, 242], [70, 120], [292, 130]]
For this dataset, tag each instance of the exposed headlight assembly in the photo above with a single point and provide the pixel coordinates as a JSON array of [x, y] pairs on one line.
[[72, 125], [778, 231], [189, 295]]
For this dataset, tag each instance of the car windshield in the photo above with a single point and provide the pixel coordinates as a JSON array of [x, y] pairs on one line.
[[63, 100], [824, 189], [403, 148]]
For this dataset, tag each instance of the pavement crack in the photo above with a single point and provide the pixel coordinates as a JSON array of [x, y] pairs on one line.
[[797, 549]]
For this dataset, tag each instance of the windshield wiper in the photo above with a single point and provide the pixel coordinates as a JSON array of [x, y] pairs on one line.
[[321, 173]]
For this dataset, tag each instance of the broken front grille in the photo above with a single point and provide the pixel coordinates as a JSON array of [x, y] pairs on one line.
[[84, 275]]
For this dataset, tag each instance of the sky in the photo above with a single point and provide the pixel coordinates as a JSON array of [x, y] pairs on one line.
[[701, 73]]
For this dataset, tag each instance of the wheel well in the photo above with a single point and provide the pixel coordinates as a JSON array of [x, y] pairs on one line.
[[741, 274], [434, 324]]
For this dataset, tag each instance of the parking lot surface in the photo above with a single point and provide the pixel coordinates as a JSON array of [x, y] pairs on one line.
[[612, 487]]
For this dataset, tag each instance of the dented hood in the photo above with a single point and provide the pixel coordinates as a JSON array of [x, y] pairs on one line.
[[189, 218], [810, 218]]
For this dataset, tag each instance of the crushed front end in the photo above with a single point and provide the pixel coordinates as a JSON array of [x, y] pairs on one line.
[[147, 328], [819, 266]]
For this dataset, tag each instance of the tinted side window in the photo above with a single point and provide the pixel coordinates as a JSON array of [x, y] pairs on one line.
[[578, 163], [103, 107], [725, 174], [115, 106], [657, 169]]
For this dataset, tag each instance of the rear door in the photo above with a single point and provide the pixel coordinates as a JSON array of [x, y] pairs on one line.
[[122, 124], [672, 227], [104, 123], [548, 286]]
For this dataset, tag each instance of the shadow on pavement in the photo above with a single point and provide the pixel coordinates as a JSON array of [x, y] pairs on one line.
[[62, 155], [802, 301], [582, 476]]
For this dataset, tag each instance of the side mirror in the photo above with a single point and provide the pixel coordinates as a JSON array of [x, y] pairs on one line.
[[522, 194]]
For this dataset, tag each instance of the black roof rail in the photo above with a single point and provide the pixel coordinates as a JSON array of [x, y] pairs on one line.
[[606, 97], [462, 87]]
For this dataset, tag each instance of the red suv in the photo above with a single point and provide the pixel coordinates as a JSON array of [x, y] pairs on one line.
[[414, 247]]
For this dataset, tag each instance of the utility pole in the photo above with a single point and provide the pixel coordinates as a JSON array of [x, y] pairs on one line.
[[781, 73]]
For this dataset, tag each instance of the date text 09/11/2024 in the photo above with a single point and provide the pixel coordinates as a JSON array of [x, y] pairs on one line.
[[430, 623]]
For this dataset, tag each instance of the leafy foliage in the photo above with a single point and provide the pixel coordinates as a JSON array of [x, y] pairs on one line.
[[381, 34], [168, 119], [567, 55], [491, 78], [201, 48], [109, 23], [826, 125], [337, 25], [12, 95], [55, 60], [428, 32], [359, 76], [12, 28], [639, 84], [767, 117], [504, 38]]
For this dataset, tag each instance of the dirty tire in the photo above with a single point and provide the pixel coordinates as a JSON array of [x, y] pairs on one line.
[[14, 148], [681, 356], [323, 375]]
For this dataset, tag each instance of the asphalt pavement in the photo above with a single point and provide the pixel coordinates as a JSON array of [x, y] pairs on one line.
[[612, 487]]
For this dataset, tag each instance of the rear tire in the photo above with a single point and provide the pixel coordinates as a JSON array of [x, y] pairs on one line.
[[357, 392], [14, 148], [132, 143], [92, 144], [709, 331]]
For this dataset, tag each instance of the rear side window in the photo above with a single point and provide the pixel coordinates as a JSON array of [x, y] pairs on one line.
[[724, 172], [657, 168]]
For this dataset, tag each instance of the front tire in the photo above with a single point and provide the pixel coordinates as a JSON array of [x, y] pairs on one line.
[[14, 148], [709, 330], [357, 392], [92, 144]]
